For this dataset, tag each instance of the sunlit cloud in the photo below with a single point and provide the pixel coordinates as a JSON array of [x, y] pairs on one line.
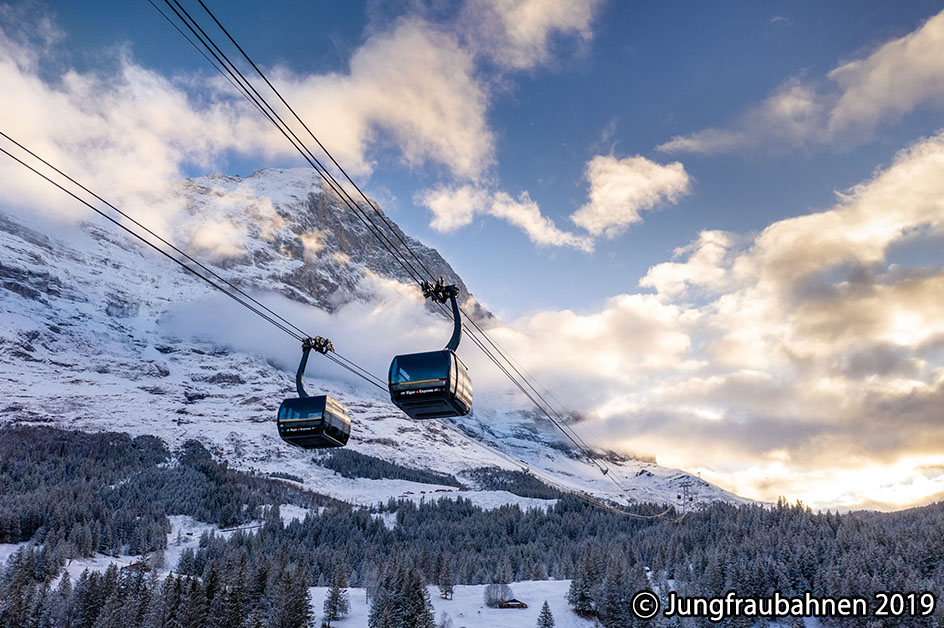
[[134, 131], [843, 107], [456, 207], [621, 189], [518, 34], [435, 112], [803, 340]]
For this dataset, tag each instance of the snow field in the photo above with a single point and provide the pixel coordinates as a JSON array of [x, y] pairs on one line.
[[467, 608]]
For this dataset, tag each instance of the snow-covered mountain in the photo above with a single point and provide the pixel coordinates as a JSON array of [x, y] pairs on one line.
[[101, 333]]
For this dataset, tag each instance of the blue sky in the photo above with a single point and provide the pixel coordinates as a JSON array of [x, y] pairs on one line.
[[645, 73], [728, 216]]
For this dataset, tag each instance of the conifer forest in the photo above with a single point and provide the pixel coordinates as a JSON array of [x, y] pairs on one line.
[[65, 495]]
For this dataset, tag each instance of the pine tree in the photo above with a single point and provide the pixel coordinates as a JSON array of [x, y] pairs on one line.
[[438, 567], [193, 608], [235, 601], [504, 574], [446, 582], [545, 619], [580, 594], [414, 598], [288, 602], [336, 604], [614, 608], [156, 616], [386, 608]]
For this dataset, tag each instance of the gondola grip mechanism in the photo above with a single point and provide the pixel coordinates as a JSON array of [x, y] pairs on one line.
[[319, 344], [440, 293]]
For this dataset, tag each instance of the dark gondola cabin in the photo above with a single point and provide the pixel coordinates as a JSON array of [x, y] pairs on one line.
[[314, 422], [435, 384], [430, 385]]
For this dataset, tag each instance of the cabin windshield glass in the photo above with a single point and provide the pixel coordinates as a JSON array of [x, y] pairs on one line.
[[307, 408], [419, 367]]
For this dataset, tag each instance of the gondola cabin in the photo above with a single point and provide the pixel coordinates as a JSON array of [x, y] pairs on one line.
[[314, 422], [430, 385]]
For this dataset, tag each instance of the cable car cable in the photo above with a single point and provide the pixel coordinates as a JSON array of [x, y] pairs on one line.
[[560, 424], [274, 319], [389, 225], [251, 93], [190, 41], [573, 436], [575, 493]]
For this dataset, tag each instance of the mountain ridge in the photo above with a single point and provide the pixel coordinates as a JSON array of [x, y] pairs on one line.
[[100, 335]]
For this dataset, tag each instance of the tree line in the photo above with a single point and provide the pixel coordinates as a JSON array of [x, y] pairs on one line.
[[71, 494]]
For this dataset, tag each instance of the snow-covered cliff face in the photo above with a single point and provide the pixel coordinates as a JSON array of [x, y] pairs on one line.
[[283, 229], [99, 332]]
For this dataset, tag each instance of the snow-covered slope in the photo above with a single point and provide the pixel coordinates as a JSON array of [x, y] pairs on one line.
[[467, 608], [98, 333]]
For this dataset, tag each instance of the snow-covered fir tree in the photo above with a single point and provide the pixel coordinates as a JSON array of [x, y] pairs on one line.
[[545, 618], [336, 604]]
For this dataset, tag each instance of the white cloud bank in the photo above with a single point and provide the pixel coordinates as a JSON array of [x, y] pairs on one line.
[[131, 131], [843, 107], [802, 360]]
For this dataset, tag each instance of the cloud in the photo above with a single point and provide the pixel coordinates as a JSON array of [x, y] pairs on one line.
[[130, 131], [704, 266], [435, 112], [799, 360], [455, 207], [396, 317], [223, 216], [845, 106], [892, 81], [517, 34], [622, 188], [525, 213]]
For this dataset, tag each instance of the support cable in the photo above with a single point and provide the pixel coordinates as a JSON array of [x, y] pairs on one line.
[[208, 275], [259, 101]]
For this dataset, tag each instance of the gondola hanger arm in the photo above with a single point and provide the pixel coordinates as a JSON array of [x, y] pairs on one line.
[[440, 293], [319, 344]]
